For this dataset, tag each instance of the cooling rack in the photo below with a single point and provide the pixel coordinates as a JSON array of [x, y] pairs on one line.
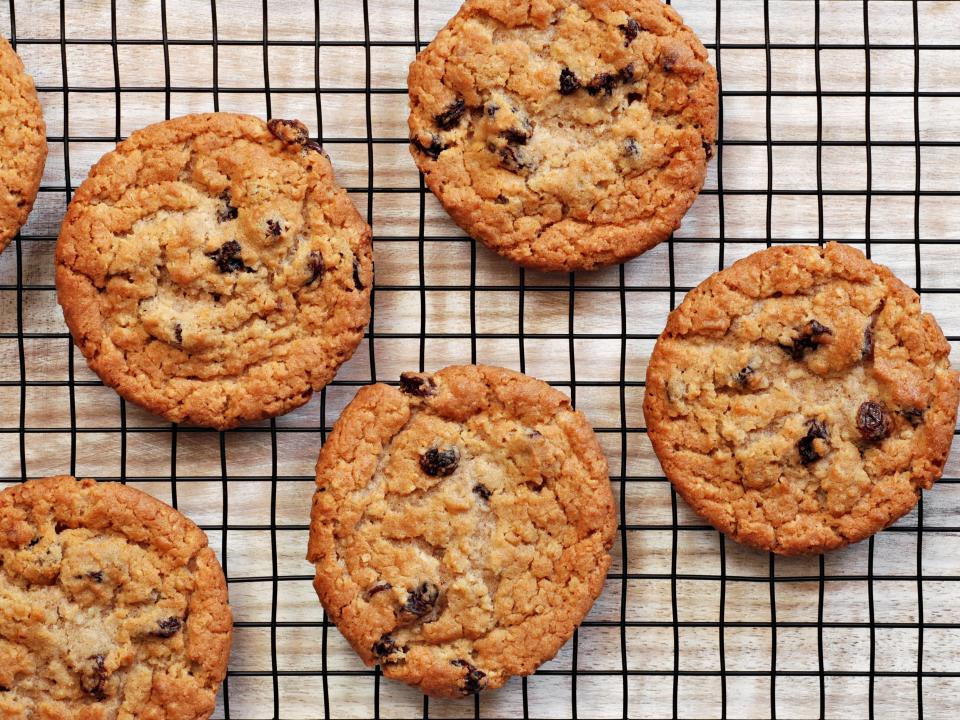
[[841, 121]]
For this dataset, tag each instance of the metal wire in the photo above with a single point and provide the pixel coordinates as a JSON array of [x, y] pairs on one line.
[[617, 667]]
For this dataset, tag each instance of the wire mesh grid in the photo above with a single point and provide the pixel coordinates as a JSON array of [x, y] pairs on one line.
[[840, 121]]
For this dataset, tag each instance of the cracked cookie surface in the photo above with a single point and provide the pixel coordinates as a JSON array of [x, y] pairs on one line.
[[564, 135], [112, 607], [212, 271], [799, 400], [23, 144], [461, 526]]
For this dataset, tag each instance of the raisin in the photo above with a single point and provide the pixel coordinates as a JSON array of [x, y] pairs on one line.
[[630, 147], [492, 109], [226, 211], [386, 647], [178, 333], [808, 452], [433, 149], [668, 63], [630, 31], [569, 82], [913, 415], [474, 681], [518, 136], [168, 627], [315, 146], [440, 463], [417, 385], [482, 490], [378, 588], [634, 97], [228, 259], [602, 82], [502, 200], [743, 377], [512, 159], [867, 350], [315, 265], [96, 576], [357, 282], [708, 149], [34, 542], [216, 297], [873, 421], [450, 118], [93, 680], [625, 74], [60, 527], [421, 600], [810, 338], [289, 131], [274, 227]]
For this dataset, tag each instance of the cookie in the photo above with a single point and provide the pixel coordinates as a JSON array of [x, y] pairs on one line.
[[112, 606], [211, 270], [461, 526], [564, 135], [23, 144], [799, 400]]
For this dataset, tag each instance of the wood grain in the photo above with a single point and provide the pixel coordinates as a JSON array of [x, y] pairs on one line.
[[689, 599]]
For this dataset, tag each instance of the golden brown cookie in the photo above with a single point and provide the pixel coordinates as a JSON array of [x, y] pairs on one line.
[[211, 270], [112, 607], [799, 400], [461, 526], [564, 135], [23, 144]]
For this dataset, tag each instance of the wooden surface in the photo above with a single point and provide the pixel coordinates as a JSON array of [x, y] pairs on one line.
[[220, 480]]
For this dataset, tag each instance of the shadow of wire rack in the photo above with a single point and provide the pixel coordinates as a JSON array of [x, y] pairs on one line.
[[841, 121]]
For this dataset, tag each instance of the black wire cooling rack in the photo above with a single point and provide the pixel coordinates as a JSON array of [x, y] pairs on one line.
[[840, 122]]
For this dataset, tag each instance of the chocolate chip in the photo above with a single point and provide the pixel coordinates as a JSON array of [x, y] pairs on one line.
[[178, 333], [378, 588], [226, 211], [450, 118], [482, 490], [417, 385], [625, 74], [386, 649], [274, 227], [228, 259], [357, 282], [440, 463], [96, 576], [873, 421], [93, 679], [810, 338], [708, 149], [421, 600], [502, 200], [474, 681], [602, 82], [743, 377], [168, 627], [433, 149], [913, 415], [569, 82], [315, 266], [289, 131], [630, 31], [630, 147], [808, 452]]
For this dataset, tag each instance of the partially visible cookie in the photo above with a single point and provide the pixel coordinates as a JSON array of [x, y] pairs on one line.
[[23, 144], [799, 400], [112, 606], [461, 526], [211, 270], [564, 135]]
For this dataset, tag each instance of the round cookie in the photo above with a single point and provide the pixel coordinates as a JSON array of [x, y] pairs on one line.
[[23, 144], [564, 135], [799, 400], [461, 526], [212, 271], [111, 606]]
